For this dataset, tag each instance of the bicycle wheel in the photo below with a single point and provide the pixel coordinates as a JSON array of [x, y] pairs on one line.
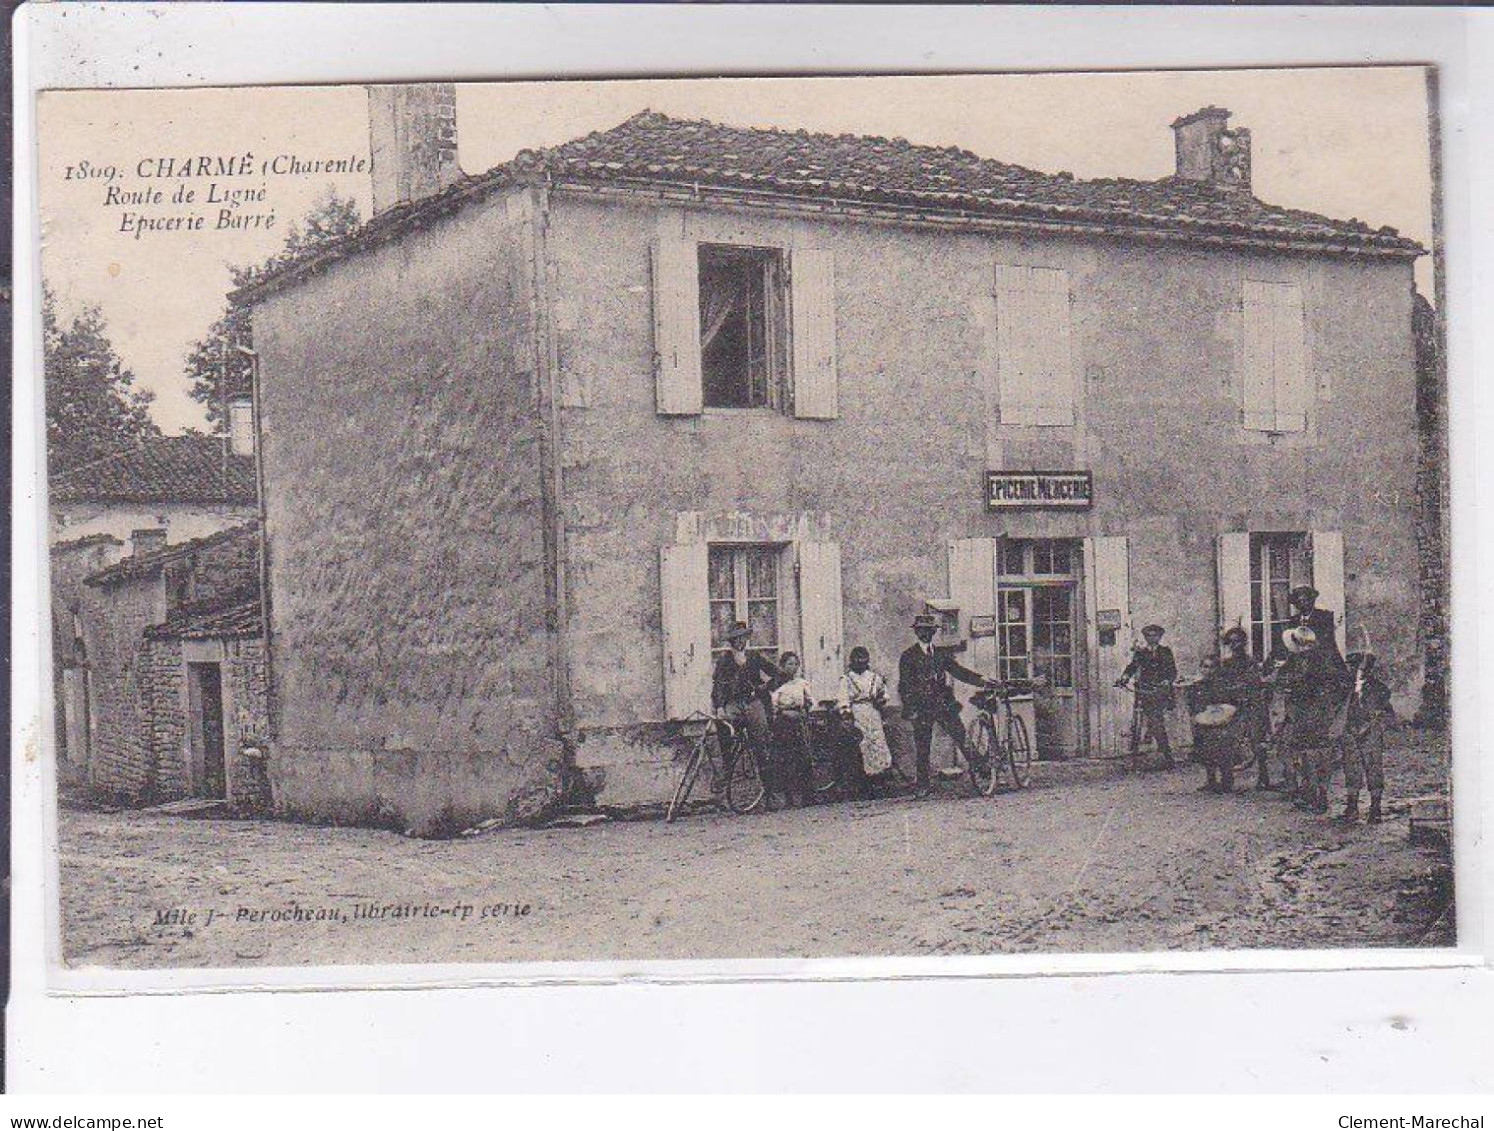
[[984, 761], [1018, 750], [744, 781], [687, 779]]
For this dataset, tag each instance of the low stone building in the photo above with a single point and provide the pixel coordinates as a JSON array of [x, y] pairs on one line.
[[172, 644], [532, 443]]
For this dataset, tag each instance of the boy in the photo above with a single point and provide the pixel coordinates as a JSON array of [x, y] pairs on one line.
[[1155, 671], [1363, 741]]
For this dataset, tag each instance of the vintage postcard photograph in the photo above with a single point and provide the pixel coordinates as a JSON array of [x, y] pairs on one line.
[[750, 519]]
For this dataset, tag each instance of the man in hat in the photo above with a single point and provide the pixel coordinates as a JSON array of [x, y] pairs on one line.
[[1311, 684], [1303, 601], [739, 687], [1155, 671], [928, 698], [1254, 705]]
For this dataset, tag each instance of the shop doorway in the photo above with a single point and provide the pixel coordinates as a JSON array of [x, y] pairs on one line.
[[205, 695], [1039, 635]]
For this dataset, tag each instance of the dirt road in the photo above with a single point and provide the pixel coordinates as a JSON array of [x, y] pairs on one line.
[[1122, 863]]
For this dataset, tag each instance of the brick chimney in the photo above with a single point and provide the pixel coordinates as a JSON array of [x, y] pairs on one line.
[[1208, 151], [413, 141], [147, 540]]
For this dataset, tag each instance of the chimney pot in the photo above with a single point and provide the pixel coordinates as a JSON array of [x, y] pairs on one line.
[[1211, 153]]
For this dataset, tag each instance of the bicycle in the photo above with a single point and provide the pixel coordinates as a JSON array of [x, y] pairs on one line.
[[1140, 729], [736, 769], [833, 740], [999, 739]]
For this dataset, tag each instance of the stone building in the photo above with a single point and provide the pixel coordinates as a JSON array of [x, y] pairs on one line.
[[532, 442], [172, 644]]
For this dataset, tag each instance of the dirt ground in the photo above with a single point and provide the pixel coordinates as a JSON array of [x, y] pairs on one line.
[[1076, 862]]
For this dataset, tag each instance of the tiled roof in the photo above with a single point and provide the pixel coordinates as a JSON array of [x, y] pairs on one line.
[[147, 565], [701, 160], [87, 540], [240, 620], [167, 469]]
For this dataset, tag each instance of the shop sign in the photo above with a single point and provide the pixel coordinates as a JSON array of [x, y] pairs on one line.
[[1039, 490]]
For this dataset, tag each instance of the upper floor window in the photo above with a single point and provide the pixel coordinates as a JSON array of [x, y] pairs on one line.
[[1275, 392], [741, 327], [1034, 365], [744, 327], [241, 426]]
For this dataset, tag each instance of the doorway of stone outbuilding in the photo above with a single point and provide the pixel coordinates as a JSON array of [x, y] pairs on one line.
[[205, 727]]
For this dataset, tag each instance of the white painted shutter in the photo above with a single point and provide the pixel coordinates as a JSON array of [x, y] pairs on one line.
[[1234, 581], [677, 385], [972, 586], [1290, 354], [820, 616], [1328, 577], [1016, 383], [683, 588], [1034, 366], [1107, 572], [1051, 347], [1258, 392], [816, 395]]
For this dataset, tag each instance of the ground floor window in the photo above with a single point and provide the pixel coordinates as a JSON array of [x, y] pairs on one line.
[[1279, 562], [744, 587]]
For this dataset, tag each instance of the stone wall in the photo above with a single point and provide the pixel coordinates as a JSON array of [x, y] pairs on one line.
[[1156, 338], [400, 420], [122, 674]]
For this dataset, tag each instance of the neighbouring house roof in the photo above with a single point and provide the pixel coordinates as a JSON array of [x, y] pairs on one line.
[[243, 619], [139, 566], [84, 542], [167, 469], [705, 161]]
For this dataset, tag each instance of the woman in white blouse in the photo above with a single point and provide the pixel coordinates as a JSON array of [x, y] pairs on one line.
[[864, 693]]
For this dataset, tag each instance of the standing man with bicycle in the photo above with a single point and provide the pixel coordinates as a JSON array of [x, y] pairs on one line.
[[739, 688], [1155, 671], [928, 698]]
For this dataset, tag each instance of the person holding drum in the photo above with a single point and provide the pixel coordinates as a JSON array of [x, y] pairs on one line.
[[1224, 704]]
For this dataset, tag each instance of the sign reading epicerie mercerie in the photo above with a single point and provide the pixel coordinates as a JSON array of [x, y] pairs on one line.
[[1047, 490]]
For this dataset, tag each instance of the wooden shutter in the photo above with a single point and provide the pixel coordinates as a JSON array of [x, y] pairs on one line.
[[685, 606], [972, 586], [1051, 347], [816, 396], [1107, 576], [1328, 576], [1034, 367], [820, 616], [1234, 581], [1258, 393], [677, 385], [1289, 352]]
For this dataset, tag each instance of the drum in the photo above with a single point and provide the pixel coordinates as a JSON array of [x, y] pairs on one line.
[[1216, 715]]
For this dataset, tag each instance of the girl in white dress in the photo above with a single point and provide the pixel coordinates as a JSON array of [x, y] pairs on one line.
[[864, 693]]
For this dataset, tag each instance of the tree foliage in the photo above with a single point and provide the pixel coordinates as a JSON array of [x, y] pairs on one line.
[[214, 357], [93, 406]]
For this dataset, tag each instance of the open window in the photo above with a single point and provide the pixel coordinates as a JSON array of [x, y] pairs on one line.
[[741, 327], [744, 327]]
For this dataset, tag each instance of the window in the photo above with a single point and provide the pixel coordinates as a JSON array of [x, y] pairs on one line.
[[1035, 605], [744, 327], [1278, 564], [241, 426], [1275, 395], [741, 327], [743, 586], [1034, 368]]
